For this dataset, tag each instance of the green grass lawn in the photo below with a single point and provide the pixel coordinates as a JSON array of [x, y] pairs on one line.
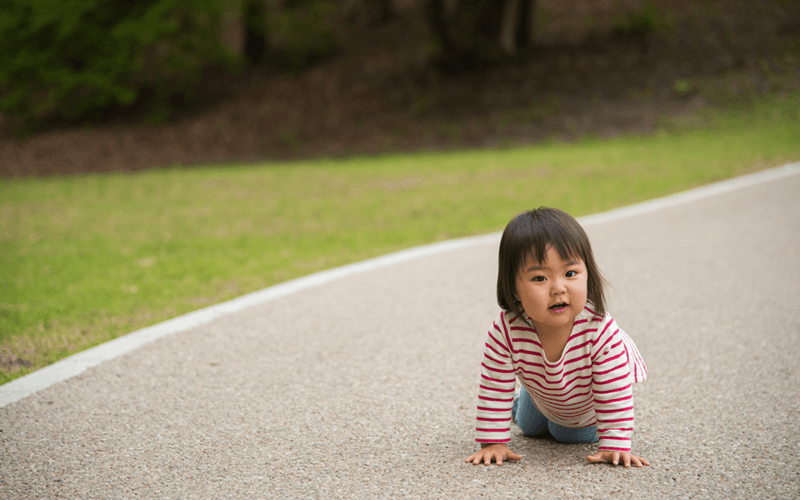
[[87, 258]]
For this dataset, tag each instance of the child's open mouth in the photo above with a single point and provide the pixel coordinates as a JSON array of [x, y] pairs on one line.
[[558, 307]]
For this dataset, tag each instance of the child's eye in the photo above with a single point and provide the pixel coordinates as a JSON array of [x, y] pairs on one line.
[[572, 274], [537, 278]]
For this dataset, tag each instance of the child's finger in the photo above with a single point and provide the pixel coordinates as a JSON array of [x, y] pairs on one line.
[[471, 458], [593, 459]]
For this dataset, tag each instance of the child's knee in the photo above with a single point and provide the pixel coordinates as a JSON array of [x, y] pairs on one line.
[[527, 417], [531, 427], [568, 435]]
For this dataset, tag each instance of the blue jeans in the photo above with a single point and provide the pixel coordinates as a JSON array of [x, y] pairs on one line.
[[532, 423]]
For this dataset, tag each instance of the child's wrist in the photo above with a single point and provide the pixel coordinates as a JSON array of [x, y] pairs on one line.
[[484, 445]]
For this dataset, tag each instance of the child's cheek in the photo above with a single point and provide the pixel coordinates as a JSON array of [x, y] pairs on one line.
[[582, 292]]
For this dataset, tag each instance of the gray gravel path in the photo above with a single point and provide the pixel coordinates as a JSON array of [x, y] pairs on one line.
[[365, 387]]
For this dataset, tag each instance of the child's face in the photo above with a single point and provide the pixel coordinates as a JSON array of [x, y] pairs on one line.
[[552, 292]]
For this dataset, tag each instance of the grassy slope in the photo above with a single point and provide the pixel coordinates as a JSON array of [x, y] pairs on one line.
[[85, 259]]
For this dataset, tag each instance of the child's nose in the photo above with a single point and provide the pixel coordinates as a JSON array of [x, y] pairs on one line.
[[558, 286]]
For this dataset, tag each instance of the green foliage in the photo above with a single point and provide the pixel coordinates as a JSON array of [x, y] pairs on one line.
[[641, 23], [305, 34], [76, 59]]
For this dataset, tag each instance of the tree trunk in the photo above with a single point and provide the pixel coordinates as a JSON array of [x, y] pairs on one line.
[[525, 27], [255, 31], [508, 29], [386, 11], [474, 34], [435, 13]]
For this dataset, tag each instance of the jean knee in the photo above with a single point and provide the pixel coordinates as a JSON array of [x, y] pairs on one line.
[[569, 435], [529, 419]]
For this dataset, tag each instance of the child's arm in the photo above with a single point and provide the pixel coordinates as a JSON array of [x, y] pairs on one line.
[[497, 452], [612, 381], [614, 457], [495, 397]]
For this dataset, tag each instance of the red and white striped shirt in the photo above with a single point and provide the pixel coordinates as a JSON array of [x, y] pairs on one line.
[[590, 385]]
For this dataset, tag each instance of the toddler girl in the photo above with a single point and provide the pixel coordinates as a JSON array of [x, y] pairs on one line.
[[575, 365]]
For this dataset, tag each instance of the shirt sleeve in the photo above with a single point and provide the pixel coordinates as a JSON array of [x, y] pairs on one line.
[[612, 382], [497, 384]]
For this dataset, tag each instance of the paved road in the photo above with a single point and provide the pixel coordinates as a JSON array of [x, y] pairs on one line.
[[365, 387]]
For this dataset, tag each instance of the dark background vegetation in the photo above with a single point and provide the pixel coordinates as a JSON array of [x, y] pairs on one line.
[[89, 87]]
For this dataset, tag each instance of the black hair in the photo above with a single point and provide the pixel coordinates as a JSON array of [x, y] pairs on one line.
[[528, 234]]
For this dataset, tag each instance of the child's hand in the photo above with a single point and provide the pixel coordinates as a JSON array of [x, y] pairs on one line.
[[497, 452], [613, 457]]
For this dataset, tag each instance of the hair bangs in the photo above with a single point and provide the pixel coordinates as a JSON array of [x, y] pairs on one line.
[[550, 228]]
